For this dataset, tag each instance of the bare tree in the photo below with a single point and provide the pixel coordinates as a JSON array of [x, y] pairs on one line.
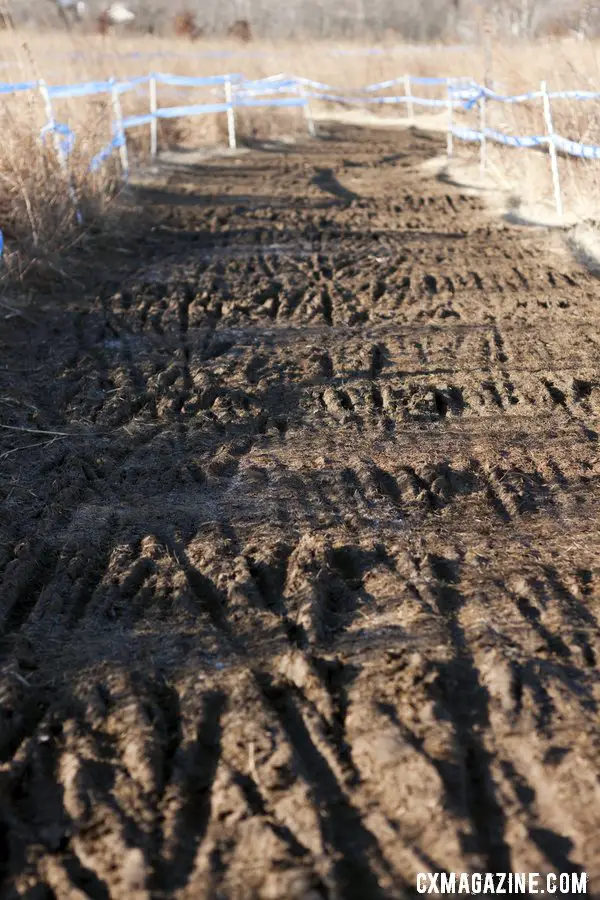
[[373, 20]]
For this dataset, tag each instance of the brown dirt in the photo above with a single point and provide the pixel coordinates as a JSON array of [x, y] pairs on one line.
[[303, 599]]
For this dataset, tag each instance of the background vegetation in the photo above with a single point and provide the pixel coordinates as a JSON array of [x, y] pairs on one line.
[[410, 20]]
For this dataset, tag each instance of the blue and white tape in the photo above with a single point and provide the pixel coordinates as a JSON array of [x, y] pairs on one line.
[[65, 134], [574, 148], [509, 140], [188, 81], [15, 88], [275, 101], [107, 151], [415, 79], [574, 95], [563, 145]]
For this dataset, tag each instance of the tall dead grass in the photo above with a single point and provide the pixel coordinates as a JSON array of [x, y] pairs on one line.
[[36, 212], [563, 65]]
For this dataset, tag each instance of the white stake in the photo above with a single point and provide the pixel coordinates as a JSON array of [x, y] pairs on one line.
[[43, 88], [154, 122], [552, 150], [119, 130], [310, 122], [482, 127], [450, 142], [60, 153], [410, 107], [230, 114]]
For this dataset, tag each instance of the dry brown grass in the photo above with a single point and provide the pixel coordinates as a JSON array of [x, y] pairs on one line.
[[37, 214], [564, 65]]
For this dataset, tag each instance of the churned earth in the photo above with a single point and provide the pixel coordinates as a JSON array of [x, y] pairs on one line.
[[299, 556]]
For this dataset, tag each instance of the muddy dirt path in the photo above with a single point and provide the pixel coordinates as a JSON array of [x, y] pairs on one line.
[[302, 599]]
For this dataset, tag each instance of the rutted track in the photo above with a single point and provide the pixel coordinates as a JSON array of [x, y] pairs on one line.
[[306, 602]]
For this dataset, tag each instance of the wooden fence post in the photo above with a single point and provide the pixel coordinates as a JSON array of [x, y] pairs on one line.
[[230, 114], [119, 130], [410, 107], [154, 122], [552, 150]]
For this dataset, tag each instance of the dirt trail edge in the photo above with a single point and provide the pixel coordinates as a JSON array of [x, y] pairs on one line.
[[299, 556]]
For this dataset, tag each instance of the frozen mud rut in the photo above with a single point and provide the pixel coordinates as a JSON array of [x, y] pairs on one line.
[[302, 599]]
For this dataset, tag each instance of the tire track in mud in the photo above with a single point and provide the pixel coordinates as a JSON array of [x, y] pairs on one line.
[[307, 601]]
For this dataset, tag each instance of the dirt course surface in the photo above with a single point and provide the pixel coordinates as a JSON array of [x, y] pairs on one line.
[[300, 545]]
